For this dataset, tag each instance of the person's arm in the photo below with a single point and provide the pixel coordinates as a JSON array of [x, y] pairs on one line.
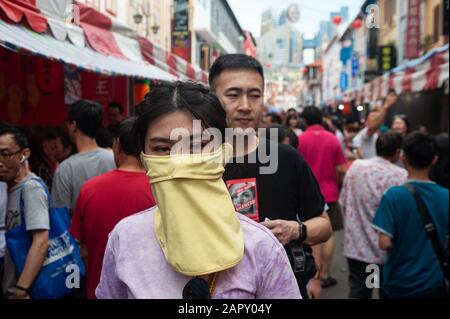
[[33, 263], [374, 123], [385, 242], [318, 230], [339, 162], [77, 227], [84, 252], [384, 221], [340, 174]]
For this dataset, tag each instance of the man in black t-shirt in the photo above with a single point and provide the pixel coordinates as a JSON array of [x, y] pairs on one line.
[[278, 198]]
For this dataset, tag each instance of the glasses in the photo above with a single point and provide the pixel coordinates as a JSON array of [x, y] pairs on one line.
[[7, 156], [199, 288]]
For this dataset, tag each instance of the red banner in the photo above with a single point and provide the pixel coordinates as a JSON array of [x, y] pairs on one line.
[[31, 90], [104, 89], [413, 30]]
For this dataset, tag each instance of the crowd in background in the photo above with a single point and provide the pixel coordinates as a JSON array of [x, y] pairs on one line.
[[360, 168]]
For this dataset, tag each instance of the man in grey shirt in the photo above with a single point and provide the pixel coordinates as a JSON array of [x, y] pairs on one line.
[[85, 119], [14, 170]]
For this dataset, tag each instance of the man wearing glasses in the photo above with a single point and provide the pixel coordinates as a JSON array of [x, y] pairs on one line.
[[14, 171]]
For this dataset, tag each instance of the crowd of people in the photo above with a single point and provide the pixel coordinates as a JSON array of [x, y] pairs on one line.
[[155, 222]]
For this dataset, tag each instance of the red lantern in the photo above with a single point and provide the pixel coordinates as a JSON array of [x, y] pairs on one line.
[[357, 24], [337, 20]]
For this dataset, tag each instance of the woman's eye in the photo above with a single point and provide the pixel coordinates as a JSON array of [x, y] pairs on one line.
[[162, 149]]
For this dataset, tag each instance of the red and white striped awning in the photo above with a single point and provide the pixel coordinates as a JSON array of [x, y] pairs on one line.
[[98, 31], [426, 73], [111, 38]]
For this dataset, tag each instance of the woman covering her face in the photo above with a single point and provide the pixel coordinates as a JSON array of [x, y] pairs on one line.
[[193, 244]]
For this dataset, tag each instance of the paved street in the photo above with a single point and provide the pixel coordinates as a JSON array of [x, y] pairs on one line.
[[339, 271]]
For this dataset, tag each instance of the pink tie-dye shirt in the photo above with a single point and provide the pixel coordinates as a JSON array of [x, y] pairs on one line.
[[365, 183]]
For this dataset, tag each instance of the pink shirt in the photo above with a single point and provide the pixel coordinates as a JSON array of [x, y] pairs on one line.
[[323, 153]]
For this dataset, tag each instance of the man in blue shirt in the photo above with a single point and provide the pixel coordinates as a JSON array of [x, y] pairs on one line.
[[413, 269]]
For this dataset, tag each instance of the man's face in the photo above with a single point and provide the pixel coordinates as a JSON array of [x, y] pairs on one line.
[[242, 94], [372, 117], [10, 158], [114, 116]]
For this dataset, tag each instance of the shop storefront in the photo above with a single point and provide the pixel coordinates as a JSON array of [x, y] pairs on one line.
[[47, 63], [422, 85]]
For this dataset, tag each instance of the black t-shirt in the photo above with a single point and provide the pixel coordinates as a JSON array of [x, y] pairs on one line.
[[292, 190]]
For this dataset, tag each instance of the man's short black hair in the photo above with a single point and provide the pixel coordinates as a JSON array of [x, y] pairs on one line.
[[420, 149], [127, 140], [233, 62], [88, 116], [18, 133], [116, 105], [312, 115], [388, 143]]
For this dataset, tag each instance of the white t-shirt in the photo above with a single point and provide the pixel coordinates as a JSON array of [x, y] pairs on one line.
[[367, 144]]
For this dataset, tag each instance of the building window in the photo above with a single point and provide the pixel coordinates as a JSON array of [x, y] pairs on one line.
[[280, 43], [111, 7], [438, 23], [390, 8]]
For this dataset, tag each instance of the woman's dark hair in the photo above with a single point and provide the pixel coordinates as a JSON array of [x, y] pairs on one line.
[[104, 138], [405, 119], [275, 118], [388, 143], [233, 62], [289, 118], [420, 149], [166, 98], [439, 172]]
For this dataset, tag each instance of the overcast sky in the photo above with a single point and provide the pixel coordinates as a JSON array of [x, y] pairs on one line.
[[248, 12]]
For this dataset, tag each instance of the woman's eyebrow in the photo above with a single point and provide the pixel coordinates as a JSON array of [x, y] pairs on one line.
[[160, 140]]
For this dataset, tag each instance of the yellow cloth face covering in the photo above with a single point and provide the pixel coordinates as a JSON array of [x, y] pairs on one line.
[[196, 224]]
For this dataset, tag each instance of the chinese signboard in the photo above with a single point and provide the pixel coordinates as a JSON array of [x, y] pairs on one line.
[[355, 64], [181, 35], [387, 58], [413, 30]]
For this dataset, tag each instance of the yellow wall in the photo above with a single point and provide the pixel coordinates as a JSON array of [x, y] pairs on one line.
[[388, 32], [430, 22]]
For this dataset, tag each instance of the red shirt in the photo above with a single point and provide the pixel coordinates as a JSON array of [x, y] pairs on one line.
[[103, 202], [323, 153]]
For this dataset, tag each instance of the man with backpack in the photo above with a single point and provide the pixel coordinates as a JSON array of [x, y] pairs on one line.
[[412, 221], [14, 153]]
